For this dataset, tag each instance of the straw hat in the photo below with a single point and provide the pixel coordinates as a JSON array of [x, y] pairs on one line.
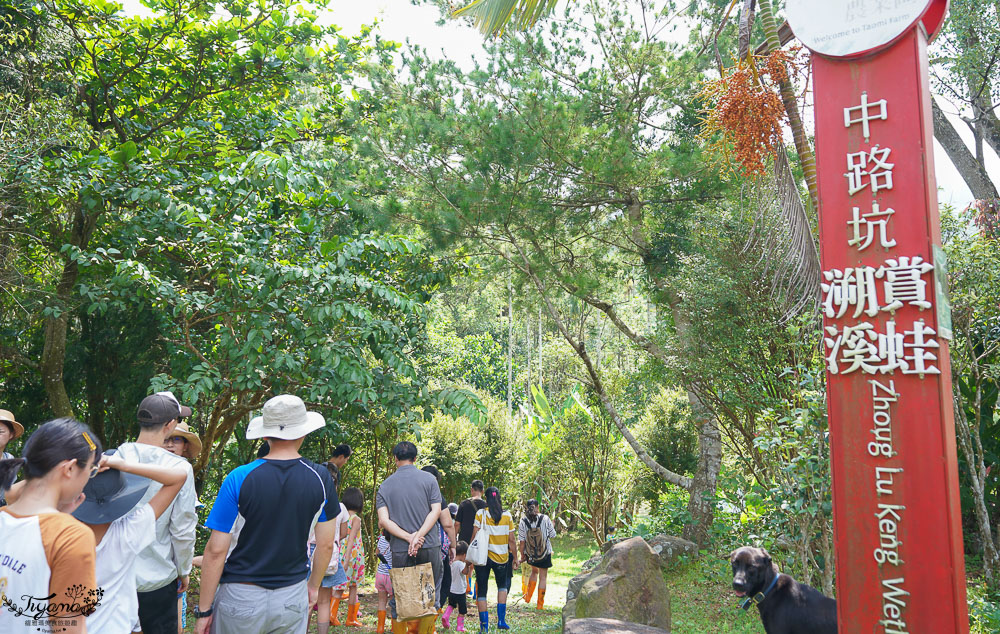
[[8, 417], [284, 417], [193, 448]]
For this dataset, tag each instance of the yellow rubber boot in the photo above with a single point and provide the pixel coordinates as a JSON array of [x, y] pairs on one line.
[[381, 622], [541, 598], [399, 627], [334, 608], [426, 624], [530, 591]]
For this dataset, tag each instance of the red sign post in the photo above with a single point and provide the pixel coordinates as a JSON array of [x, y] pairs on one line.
[[899, 560]]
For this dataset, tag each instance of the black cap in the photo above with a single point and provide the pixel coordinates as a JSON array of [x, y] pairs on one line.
[[160, 408]]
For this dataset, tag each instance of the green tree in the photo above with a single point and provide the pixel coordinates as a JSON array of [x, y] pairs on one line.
[[974, 281], [145, 102], [190, 195], [575, 181]]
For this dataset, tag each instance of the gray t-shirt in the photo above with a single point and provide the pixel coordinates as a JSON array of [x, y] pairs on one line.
[[408, 494]]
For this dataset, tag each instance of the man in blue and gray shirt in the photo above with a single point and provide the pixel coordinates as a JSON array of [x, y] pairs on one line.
[[267, 583]]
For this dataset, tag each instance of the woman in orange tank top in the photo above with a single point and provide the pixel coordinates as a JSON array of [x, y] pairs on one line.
[[47, 556]]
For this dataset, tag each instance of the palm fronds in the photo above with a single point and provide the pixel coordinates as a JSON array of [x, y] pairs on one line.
[[493, 17]]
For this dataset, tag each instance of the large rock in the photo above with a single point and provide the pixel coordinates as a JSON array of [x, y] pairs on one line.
[[668, 548], [627, 585], [609, 626]]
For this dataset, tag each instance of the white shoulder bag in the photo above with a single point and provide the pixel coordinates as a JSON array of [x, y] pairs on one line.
[[480, 546]]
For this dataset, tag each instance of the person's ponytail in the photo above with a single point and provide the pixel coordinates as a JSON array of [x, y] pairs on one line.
[[494, 504], [8, 471]]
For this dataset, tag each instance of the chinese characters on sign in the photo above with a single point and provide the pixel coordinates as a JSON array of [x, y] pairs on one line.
[[912, 348]]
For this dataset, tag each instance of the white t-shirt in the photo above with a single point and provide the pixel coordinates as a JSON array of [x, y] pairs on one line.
[[457, 577], [116, 557]]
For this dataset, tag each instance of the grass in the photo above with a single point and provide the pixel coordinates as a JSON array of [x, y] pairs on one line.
[[702, 600]]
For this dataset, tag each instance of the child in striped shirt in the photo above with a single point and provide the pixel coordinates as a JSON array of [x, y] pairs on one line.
[[382, 581]]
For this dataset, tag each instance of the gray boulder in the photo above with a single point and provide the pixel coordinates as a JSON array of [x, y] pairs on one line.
[[606, 546], [591, 563], [668, 548], [626, 585], [609, 626]]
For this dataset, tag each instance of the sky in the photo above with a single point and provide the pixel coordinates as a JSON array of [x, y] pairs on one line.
[[402, 21]]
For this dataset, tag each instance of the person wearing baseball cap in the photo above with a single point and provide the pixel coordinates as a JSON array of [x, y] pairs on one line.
[[9, 430], [123, 527], [167, 559], [266, 584]]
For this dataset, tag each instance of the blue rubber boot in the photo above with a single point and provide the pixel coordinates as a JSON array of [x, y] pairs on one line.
[[484, 621], [502, 617]]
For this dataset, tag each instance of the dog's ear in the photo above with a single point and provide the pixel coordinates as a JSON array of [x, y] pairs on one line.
[[767, 557], [730, 556]]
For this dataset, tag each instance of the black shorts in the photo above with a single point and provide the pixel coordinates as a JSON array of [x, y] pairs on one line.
[[458, 601], [544, 562], [158, 610], [501, 572]]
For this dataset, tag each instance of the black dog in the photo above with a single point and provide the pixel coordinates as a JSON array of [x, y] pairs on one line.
[[786, 606]]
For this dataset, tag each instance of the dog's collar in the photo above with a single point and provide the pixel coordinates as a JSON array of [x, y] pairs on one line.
[[758, 598]]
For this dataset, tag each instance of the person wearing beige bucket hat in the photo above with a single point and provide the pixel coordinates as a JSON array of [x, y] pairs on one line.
[[183, 442], [10, 429], [267, 584]]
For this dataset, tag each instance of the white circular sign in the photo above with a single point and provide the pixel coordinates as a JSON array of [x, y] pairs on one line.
[[842, 28]]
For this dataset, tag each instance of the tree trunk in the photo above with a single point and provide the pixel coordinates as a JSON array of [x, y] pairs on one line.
[[972, 451], [510, 350], [57, 323], [806, 157], [973, 173], [53, 361], [596, 383], [701, 504]]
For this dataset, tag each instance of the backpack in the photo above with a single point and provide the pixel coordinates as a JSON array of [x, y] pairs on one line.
[[535, 542]]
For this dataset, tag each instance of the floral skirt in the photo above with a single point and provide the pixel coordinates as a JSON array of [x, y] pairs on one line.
[[354, 566]]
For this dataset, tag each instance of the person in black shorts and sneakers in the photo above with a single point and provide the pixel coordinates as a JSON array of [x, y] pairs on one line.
[[465, 520], [534, 534]]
